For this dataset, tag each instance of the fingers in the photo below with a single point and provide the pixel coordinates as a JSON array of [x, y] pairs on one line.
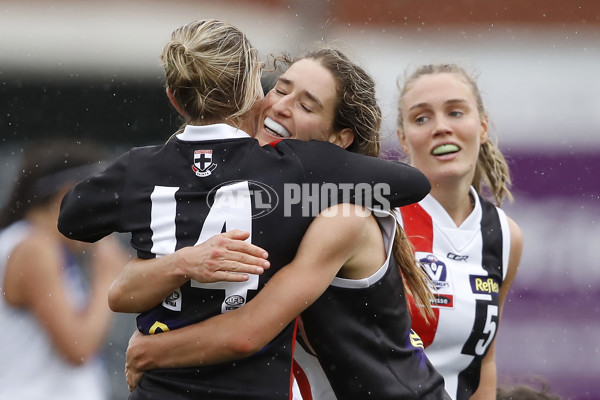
[[236, 234], [239, 244], [235, 267], [225, 276], [236, 261], [235, 272], [224, 257], [128, 378], [132, 376]]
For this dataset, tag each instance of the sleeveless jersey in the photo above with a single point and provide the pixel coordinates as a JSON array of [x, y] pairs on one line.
[[212, 179], [361, 333], [32, 368], [467, 265]]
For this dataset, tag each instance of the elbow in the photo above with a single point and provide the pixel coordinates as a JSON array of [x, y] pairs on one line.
[[78, 355], [245, 346], [64, 228], [423, 187], [115, 300], [76, 361], [412, 187], [123, 302], [420, 188]]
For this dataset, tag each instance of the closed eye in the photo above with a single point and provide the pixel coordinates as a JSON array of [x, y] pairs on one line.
[[306, 108]]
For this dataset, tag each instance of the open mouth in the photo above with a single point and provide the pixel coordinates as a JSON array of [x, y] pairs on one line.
[[445, 149], [275, 128]]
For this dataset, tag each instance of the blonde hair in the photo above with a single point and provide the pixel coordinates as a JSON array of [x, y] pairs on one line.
[[213, 71], [492, 170]]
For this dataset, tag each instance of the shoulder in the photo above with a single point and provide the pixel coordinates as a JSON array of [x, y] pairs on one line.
[[37, 246], [516, 248], [319, 151], [33, 261], [345, 219], [342, 228], [136, 152], [306, 145], [515, 231], [516, 241]]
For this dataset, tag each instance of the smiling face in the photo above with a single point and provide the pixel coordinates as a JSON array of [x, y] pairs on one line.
[[300, 106], [442, 129]]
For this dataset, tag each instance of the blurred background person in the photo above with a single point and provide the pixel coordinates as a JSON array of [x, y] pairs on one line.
[[55, 311]]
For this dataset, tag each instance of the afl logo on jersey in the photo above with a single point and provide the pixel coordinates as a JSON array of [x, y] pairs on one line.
[[435, 269], [233, 302], [203, 165], [241, 199], [173, 301]]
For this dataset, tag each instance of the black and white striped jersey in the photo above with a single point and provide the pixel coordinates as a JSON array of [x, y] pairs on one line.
[[212, 179]]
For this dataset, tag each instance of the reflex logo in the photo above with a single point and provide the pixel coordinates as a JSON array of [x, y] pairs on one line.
[[484, 285]]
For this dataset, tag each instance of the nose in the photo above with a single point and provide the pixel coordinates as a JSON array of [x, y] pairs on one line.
[[282, 106], [441, 126]]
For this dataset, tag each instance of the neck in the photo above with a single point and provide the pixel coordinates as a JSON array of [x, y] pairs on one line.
[[455, 198], [45, 218]]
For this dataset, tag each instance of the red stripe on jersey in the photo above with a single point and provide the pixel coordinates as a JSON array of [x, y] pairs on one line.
[[274, 143], [418, 227], [294, 364], [302, 381], [419, 230]]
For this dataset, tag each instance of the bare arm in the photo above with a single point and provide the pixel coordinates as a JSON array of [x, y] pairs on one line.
[[330, 243], [488, 379], [35, 278], [225, 257]]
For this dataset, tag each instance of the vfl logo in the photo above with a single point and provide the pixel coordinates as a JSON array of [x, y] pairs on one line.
[[203, 165], [436, 270], [438, 273]]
